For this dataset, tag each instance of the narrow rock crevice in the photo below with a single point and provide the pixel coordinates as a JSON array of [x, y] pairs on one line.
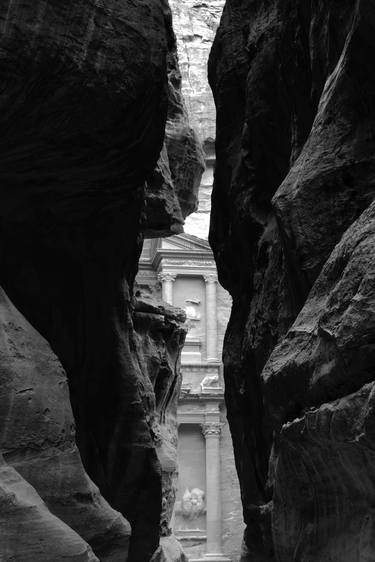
[[92, 113]]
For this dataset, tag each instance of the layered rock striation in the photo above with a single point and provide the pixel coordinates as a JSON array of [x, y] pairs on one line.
[[195, 24], [87, 88], [293, 235]]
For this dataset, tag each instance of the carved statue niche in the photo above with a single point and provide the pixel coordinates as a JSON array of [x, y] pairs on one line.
[[210, 381], [192, 504], [193, 315]]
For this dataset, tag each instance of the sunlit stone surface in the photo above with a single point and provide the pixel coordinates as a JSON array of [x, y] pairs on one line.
[[195, 24]]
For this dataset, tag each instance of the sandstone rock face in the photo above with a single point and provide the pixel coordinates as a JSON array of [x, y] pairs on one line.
[[37, 441], [172, 189], [169, 551], [329, 351], [29, 531], [293, 234], [85, 99], [324, 490], [195, 24], [161, 336]]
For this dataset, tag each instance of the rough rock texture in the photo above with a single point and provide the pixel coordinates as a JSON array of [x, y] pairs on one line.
[[84, 103], [329, 351], [324, 491], [170, 550], [29, 531], [161, 336], [37, 441], [172, 189], [195, 24], [293, 234]]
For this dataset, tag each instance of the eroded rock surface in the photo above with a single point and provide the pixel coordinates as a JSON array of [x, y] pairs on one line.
[[292, 231], [85, 100], [161, 335], [324, 489], [29, 531], [38, 443], [172, 189], [195, 24], [170, 550], [329, 351]]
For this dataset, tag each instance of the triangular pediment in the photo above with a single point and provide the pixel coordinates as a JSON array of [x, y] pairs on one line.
[[184, 242], [180, 244]]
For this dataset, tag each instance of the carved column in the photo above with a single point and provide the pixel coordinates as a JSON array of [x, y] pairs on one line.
[[212, 431], [167, 286], [211, 316]]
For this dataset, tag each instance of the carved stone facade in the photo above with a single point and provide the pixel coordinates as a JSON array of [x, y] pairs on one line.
[[208, 514]]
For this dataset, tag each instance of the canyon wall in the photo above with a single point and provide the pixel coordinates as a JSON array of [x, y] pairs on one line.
[[172, 189], [195, 24], [93, 135], [292, 229]]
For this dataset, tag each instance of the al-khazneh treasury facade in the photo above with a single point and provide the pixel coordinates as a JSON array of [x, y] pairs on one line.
[[208, 514], [181, 271]]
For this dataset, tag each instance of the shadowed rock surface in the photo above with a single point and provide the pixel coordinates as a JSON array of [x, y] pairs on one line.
[[329, 351], [324, 490], [29, 531], [85, 100], [161, 336], [293, 234], [38, 441], [170, 550]]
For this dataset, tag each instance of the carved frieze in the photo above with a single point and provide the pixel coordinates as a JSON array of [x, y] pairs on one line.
[[189, 263]]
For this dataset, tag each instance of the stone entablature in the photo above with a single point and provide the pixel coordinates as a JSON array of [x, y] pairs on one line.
[[189, 252], [186, 256]]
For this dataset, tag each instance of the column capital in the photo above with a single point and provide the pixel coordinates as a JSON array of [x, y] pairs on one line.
[[166, 276], [211, 428], [210, 277]]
